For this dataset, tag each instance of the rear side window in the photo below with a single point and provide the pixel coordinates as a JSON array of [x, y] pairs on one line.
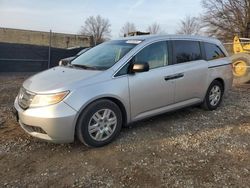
[[213, 51], [185, 51]]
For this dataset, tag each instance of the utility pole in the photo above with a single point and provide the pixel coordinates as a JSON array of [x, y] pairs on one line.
[[49, 56]]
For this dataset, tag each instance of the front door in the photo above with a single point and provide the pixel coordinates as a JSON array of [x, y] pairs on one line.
[[152, 90]]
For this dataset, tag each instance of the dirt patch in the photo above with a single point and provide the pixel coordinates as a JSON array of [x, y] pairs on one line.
[[186, 148]]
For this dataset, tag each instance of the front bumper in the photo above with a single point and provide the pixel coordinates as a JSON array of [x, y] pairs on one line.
[[54, 123]]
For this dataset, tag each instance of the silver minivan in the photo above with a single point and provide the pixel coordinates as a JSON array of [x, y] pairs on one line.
[[122, 81]]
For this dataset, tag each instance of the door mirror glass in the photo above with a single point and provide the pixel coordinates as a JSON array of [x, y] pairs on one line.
[[140, 67], [64, 62]]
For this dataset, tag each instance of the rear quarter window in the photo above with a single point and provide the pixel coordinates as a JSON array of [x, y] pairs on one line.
[[213, 51], [185, 51]]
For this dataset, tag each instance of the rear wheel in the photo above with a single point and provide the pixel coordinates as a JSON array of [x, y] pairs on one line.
[[241, 67], [213, 96], [99, 123]]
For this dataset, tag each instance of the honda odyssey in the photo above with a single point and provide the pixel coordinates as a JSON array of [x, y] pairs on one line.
[[122, 81]]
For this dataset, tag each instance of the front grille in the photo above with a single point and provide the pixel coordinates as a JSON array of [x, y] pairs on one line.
[[24, 98]]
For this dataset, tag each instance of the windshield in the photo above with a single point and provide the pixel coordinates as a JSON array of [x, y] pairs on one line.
[[104, 55], [82, 51]]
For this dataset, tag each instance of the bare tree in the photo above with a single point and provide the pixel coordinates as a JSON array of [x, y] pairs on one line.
[[189, 26], [154, 28], [97, 27], [225, 18], [127, 28]]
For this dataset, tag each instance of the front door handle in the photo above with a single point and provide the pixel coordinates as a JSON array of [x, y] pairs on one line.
[[173, 77]]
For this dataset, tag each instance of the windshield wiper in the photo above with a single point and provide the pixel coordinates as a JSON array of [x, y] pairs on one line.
[[83, 66]]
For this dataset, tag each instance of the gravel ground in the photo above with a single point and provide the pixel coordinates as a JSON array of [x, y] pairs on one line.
[[186, 148]]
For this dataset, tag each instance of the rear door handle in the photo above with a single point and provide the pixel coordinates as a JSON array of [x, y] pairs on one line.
[[173, 77]]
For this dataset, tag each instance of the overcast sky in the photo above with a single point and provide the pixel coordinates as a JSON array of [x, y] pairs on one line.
[[68, 16]]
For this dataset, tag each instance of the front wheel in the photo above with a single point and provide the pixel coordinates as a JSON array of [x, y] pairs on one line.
[[213, 96], [99, 123]]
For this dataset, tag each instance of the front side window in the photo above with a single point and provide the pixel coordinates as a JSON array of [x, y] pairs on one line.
[[104, 55], [186, 51], [156, 55], [213, 51]]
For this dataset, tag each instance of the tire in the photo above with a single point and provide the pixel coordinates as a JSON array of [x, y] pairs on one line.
[[99, 123], [243, 60], [208, 103]]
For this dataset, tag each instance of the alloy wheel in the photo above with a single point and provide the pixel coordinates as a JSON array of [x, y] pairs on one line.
[[215, 95], [102, 124]]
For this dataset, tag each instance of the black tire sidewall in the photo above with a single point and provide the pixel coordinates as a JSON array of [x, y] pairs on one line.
[[82, 124], [207, 102]]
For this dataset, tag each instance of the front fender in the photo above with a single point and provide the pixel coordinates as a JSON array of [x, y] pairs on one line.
[[116, 88]]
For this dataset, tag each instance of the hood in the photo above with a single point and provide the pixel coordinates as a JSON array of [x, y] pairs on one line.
[[56, 79]]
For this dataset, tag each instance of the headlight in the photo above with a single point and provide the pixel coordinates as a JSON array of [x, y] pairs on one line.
[[48, 99]]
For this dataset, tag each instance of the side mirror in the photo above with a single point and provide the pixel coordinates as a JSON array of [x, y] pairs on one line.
[[64, 62], [140, 67]]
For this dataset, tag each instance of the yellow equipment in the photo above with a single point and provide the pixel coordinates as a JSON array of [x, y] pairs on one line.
[[241, 59], [238, 47]]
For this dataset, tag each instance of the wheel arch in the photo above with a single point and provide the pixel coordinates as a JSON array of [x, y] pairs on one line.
[[221, 81], [215, 79], [121, 106], [205, 104], [111, 98]]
